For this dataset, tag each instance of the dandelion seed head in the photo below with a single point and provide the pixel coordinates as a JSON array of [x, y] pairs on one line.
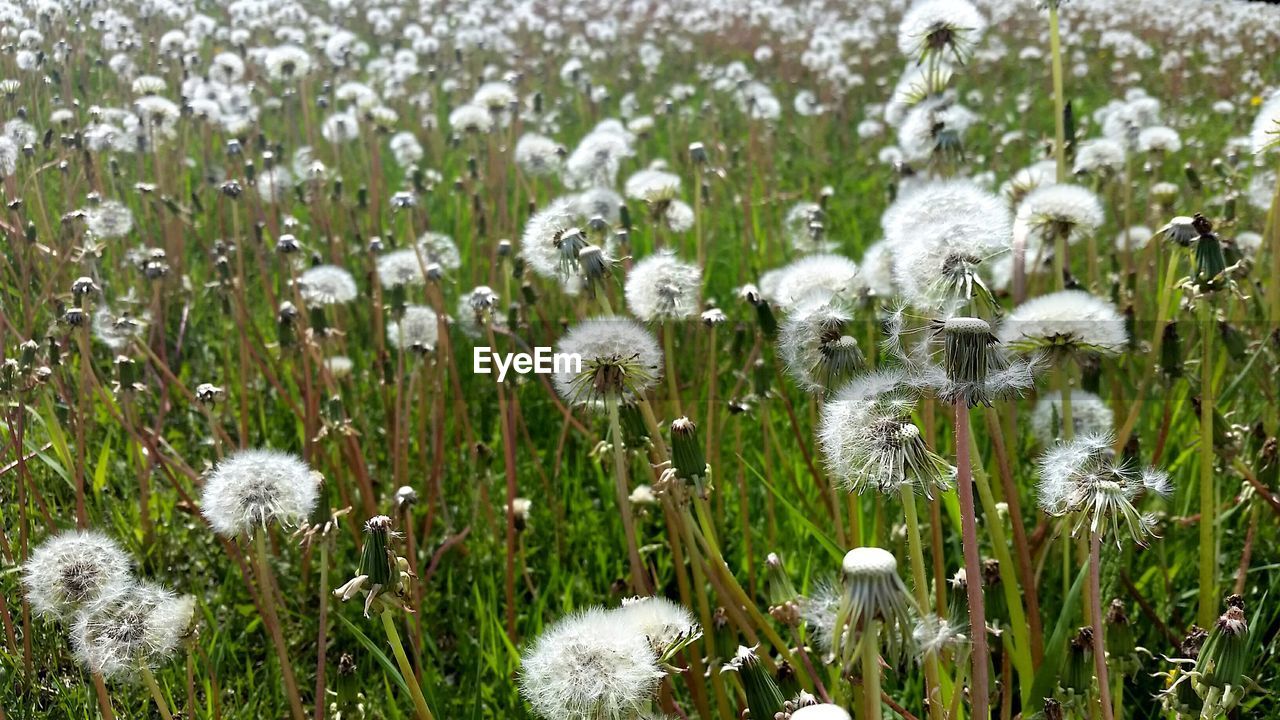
[[1066, 321], [652, 186], [109, 219], [250, 489], [1099, 156], [538, 155], [74, 570], [823, 276], [1266, 125], [663, 622], [620, 360], [141, 628], [327, 285], [1051, 210], [816, 347], [589, 666], [662, 287], [821, 711], [1159, 138], [417, 329], [1090, 415], [1084, 477], [948, 28]]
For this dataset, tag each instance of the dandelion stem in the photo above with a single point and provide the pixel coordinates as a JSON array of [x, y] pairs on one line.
[[154, 688], [104, 699], [920, 585], [1099, 648], [1208, 541], [871, 669], [972, 563], [266, 589], [406, 670], [1059, 101], [673, 382], [638, 582]]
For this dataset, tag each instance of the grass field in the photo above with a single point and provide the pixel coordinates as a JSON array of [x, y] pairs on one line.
[[871, 299]]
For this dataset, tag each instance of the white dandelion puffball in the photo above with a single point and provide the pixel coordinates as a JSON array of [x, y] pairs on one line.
[[327, 285], [803, 226], [1265, 134], [440, 249], [941, 233], [663, 287], [1083, 476], [590, 666], [660, 620], [142, 628], [1135, 238], [1100, 156], [620, 358], [402, 267], [117, 331], [816, 347], [109, 219], [870, 443], [824, 276], [1090, 415], [1049, 209], [1068, 318], [821, 711], [652, 185], [1159, 138], [950, 28], [471, 118], [551, 239], [417, 329], [74, 570], [538, 155], [252, 488]]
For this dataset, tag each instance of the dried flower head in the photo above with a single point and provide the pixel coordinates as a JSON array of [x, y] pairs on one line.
[[816, 345], [1084, 476]]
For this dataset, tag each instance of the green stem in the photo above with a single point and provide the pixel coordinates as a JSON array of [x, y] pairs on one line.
[[1095, 612], [920, 582], [410, 679], [154, 688], [266, 588], [1008, 578], [1208, 542], [638, 582], [871, 669], [1059, 100]]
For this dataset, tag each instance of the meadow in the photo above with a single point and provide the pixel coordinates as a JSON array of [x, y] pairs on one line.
[[928, 359]]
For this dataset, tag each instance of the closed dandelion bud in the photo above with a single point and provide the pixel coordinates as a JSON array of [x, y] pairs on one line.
[[127, 374], [686, 451], [634, 432], [1077, 673], [1171, 352], [996, 606], [1229, 206], [762, 378], [285, 318], [764, 698], [30, 233], [1121, 645], [624, 217], [778, 585], [1225, 654], [27, 352], [766, 319], [1193, 177], [1210, 261], [1234, 340], [529, 293], [697, 153]]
